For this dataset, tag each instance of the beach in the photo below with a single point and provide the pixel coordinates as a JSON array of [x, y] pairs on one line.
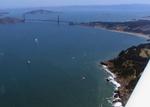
[[124, 32], [130, 33]]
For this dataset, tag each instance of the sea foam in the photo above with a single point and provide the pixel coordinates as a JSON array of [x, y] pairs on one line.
[[116, 101]]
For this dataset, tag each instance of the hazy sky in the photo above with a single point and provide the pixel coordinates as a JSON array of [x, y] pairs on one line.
[[29, 3]]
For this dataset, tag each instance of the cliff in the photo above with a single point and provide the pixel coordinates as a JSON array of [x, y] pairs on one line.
[[128, 67]]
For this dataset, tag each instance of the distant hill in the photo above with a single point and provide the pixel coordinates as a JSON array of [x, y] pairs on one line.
[[127, 7], [10, 20], [39, 11], [3, 13]]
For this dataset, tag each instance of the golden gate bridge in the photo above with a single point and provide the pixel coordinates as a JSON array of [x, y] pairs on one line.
[[57, 20]]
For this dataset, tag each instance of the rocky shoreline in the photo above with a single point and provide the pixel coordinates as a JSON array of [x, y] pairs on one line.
[[115, 100], [125, 70]]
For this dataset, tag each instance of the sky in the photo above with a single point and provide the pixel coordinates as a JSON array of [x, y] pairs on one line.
[[41, 3]]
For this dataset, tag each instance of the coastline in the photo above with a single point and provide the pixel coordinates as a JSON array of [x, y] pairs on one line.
[[130, 33], [123, 32], [125, 70], [112, 78]]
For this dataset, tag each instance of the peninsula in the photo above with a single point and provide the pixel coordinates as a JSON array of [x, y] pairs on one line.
[[10, 20], [127, 68]]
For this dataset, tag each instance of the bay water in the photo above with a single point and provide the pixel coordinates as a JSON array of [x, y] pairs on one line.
[[43, 64]]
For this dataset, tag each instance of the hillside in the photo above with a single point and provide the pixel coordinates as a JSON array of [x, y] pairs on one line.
[[138, 26], [128, 67]]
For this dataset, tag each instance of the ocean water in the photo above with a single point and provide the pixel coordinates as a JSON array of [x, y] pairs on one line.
[[43, 64]]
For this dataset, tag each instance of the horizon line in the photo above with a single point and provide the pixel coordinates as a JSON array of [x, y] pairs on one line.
[[76, 5]]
